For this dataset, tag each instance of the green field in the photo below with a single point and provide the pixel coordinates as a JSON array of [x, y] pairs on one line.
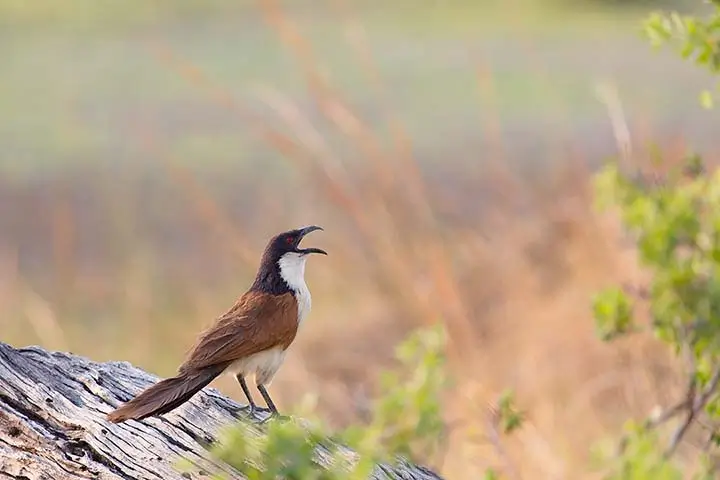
[[79, 89]]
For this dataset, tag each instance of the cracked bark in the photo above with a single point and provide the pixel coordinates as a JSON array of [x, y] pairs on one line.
[[53, 427]]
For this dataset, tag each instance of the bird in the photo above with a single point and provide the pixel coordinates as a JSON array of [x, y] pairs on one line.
[[251, 338]]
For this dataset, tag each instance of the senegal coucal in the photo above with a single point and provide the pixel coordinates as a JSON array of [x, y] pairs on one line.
[[250, 339]]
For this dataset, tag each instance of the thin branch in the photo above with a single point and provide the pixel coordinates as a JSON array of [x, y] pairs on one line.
[[678, 408], [493, 437], [669, 414], [698, 404], [692, 404]]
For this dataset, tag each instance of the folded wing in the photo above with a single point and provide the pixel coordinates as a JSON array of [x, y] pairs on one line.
[[257, 322]]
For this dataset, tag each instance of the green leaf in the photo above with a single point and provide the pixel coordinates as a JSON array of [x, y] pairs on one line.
[[706, 99], [508, 415], [491, 474], [613, 313]]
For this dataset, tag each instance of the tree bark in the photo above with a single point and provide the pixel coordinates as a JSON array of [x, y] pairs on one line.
[[53, 427]]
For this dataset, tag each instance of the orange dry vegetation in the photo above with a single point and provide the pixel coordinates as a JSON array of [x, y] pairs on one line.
[[514, 292], [511, 279]]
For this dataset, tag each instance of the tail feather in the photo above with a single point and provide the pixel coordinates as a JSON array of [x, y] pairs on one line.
[[165, 395]]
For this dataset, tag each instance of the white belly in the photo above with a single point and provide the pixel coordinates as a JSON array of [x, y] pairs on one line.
[[262, 365]]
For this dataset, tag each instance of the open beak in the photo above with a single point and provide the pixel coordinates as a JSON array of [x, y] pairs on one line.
[[305, 231]]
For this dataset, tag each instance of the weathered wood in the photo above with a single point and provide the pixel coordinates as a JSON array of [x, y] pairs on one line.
[[53, 427]]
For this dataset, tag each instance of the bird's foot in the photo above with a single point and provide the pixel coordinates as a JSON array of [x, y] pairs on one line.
[[244, 412], [274, 416]]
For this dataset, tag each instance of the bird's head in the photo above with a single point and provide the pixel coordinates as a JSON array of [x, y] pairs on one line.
[[284, 255], [287, 244]]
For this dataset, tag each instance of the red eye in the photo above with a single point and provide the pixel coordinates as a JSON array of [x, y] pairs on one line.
[[290, 239]]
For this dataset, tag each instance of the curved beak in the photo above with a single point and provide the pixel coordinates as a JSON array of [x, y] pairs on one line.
[[303, 233]]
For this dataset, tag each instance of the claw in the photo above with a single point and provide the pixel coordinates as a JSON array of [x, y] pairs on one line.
[[274, 416]]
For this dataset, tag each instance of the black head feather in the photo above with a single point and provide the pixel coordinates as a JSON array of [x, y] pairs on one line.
[[268, 278]]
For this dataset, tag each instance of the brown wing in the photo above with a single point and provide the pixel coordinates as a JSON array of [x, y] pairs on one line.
[[257, 321]]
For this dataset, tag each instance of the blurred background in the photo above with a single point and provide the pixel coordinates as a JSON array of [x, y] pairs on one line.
[[150, 149]]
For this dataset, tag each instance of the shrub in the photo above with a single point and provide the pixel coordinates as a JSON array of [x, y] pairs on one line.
[[674, 219]]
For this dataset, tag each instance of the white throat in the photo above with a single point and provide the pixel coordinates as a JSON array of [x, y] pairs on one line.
[[292, 270]]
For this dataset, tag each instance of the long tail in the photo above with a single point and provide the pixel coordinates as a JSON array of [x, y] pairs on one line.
[[165, 395]]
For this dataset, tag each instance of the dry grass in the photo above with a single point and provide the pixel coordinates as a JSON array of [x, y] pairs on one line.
[[512, 280]]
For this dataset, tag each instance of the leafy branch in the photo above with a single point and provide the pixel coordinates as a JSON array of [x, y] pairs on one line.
[[676, 226], [696, 39]]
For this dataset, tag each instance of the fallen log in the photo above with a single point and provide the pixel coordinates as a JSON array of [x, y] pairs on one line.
[[53, 427]]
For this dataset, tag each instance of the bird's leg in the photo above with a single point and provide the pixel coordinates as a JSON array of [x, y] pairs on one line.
[[246, 391], [266, 396], [268, 400]]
